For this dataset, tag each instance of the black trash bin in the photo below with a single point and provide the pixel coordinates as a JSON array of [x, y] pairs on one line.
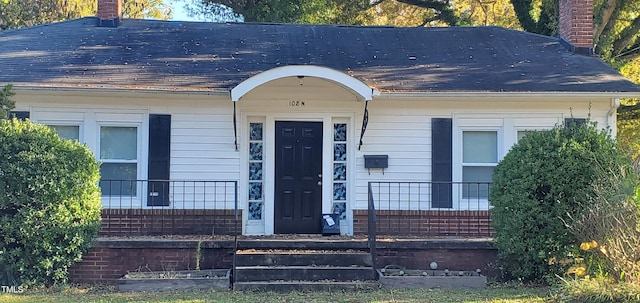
[[330, 224]]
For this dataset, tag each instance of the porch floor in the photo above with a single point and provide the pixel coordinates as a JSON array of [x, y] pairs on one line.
[[306, 241]]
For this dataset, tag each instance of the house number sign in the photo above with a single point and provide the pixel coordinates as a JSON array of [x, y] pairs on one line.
[[296, 103]]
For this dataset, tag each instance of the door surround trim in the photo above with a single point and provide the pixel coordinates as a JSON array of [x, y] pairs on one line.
[[266, 225]]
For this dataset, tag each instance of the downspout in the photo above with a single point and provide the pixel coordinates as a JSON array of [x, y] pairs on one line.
[[611, 116]]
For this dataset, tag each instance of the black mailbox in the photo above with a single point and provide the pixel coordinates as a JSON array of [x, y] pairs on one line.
[[376, 161]]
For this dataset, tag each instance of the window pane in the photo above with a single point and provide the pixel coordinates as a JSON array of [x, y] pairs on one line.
[[121, 179], [477, 179], [255, 132], [480, 147], [118, 143], [522, 133], [69, 132]]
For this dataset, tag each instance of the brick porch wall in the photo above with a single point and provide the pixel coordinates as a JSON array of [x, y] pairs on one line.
[[110, 259], [473, 256], [149, 222], [426, 223]]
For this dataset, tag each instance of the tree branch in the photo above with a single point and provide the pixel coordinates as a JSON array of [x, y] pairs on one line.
[[522, 9], [443, 9], [604, 11], [626, 37]]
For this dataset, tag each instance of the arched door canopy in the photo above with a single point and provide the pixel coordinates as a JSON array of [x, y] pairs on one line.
[[358, 87]]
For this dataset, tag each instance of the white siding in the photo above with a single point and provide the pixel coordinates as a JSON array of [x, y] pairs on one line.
[[202, 134], [202, 146]]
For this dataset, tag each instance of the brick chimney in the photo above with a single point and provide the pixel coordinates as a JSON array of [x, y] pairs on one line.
[[109, 12], [576, 25]]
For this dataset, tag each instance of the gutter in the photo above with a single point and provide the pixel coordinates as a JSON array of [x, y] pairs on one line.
[[507, 95], [612, 116]]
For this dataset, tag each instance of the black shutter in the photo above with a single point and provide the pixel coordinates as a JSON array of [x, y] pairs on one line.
[[159, 157], [571, 122], [21, 115], [441, 162]]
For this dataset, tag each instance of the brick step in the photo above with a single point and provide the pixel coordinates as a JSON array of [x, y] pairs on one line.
[[302, 258], [303, 273], [286, 286]]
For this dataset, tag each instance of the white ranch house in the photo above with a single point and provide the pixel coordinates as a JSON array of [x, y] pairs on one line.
[[288, 123]]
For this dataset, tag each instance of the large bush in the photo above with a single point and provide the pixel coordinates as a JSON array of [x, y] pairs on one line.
[[544, 181], [49, 203]]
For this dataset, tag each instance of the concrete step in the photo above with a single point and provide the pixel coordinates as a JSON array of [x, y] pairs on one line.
[[303, 273], [285, 286], [305, 258]]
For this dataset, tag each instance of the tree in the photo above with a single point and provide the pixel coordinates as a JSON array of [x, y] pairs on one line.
[[486, 12], [6, 103], [141, 9], [617, 26], [354, 12], [21, 13]]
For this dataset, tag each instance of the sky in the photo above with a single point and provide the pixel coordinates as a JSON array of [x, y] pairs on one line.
[[179, 13]]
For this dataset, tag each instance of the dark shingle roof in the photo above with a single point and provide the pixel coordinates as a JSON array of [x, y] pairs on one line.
[[216, 56]]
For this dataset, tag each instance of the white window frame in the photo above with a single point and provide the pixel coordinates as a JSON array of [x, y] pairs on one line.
[[472, 124], [479, 201], [125, 118], [253, 227], [79, 124], [507, 125], [139, 174]]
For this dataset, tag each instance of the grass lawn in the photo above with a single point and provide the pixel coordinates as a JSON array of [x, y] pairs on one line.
[[84, 294]]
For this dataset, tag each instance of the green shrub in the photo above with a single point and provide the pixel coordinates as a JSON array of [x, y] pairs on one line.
[[6, 103], [540, 183], [49, 203]]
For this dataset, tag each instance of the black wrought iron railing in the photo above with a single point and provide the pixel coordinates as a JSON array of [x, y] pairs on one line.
[[169, 207], [419, 209], [426, 210]]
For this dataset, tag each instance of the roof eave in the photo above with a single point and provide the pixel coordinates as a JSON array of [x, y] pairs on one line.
[[381, 95], [102, 90], [497, 95]]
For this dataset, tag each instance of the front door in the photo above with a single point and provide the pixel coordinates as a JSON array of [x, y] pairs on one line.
[[298, 177]]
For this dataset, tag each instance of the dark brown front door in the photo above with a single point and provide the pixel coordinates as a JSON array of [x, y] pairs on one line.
[[298, 175]]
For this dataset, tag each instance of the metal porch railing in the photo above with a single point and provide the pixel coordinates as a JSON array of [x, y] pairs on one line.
[[169, 207], [427, 210]]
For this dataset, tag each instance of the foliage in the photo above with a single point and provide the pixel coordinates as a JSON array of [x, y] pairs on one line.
[[617, 25], [143, 9], [296, 11], [598, 290], [612, 222], [628, 128], [537, 16], [6, 103], [543, 179], [22, 13], [49, 206], [352, 12], [484, 13]]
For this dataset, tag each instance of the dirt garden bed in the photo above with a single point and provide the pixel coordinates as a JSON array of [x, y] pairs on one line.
[[175, 280], [394, 277]]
